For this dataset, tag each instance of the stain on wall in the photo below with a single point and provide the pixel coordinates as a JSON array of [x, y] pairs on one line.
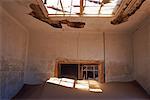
[[12, 56]]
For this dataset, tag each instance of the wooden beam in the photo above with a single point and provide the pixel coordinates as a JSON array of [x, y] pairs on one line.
[[101, 76], [62, 7], [45, 1], [81, 7], [44, 10]]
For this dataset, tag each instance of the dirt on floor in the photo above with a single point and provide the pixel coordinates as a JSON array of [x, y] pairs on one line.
[[111, 91]]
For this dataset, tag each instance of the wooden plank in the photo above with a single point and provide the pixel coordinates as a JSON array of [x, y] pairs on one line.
[[56, 70], [43, 8], [71, 61], [101, 73], [81, 7], [62, 7]]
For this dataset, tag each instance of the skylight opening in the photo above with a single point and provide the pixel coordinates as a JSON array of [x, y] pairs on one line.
[[82, 7]]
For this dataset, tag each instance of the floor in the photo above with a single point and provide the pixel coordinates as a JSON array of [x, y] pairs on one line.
[[111, 91]]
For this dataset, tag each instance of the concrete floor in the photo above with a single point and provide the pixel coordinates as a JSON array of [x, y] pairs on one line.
[[111, 91]]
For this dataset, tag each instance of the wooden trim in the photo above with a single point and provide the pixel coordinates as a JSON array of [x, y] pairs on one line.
[[56, 69], [104, 45], [71, 61], [101, 73], [100, 64]]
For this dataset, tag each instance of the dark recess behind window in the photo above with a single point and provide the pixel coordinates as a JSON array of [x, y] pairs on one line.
[[68, 71]]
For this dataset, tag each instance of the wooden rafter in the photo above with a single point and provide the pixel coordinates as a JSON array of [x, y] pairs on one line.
[[45, 1], [42, 7], [81, 7], [129, 9], [62, 7]]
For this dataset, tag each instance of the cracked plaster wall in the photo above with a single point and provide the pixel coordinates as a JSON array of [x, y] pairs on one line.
[[12, 56]]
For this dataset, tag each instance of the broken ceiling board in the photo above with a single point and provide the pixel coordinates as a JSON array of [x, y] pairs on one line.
[[81, 7], [76, 24], [45, 12], [105, 1], [62, 7], [129, 9], [37, 13]]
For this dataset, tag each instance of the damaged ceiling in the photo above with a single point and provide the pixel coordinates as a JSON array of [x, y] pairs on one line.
[[38, 13], [21, 11]]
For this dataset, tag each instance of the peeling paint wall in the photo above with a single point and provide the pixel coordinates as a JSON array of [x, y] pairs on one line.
[[118, 57], [12, 56], [45, 48], [142, 55]]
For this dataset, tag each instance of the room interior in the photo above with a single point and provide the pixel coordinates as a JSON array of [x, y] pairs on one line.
[[92, 39]]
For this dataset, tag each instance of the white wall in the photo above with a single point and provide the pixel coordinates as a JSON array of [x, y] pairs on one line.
[[118, 51], [12, 50], [142, 55], [45, 48]]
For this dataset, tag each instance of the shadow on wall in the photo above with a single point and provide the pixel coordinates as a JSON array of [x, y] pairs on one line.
[[38, 72], [11, 75]]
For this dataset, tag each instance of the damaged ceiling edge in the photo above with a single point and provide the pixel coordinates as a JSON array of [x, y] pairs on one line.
[[39, 12], [41, 5], [127, 10]]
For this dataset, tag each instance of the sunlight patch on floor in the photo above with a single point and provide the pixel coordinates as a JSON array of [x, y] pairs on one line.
[[88, 85], [82, 84], [67, 82], [54, 80]]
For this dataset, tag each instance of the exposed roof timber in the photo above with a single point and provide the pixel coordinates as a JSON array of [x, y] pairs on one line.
[[62, 7], [99, 2], [127, 10], [123, 2], [37, 12], [42, 7], [100, 9], [81, 7], [45, 1], [105, 1], [54, 8]]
